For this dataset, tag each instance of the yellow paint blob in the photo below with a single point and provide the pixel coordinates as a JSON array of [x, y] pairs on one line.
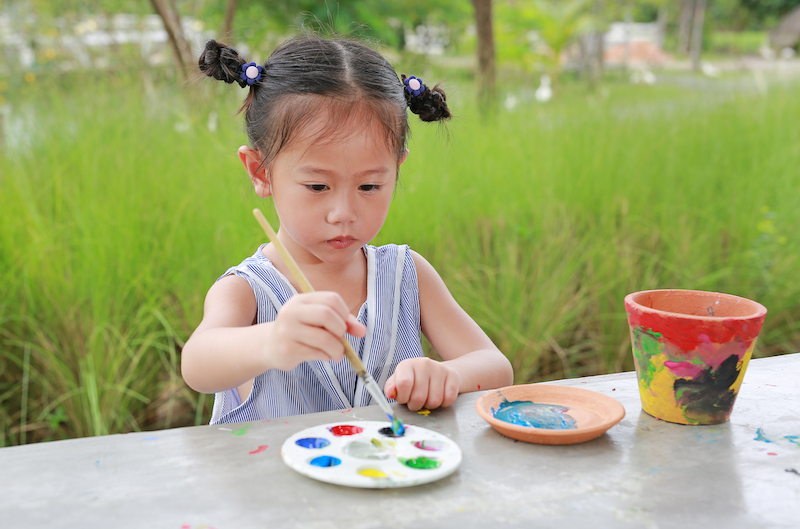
[[658, 399], [372, 473], [742, 367]]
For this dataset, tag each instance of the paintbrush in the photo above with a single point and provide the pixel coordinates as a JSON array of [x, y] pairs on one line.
[[397, 425]]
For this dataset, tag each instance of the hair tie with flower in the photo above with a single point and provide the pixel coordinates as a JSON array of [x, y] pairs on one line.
[[251, 72], [413, 85]]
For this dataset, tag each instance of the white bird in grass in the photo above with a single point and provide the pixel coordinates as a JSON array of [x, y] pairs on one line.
[[709, 70], [544, 93]]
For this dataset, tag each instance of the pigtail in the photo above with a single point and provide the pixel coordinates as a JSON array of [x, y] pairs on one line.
[[428, 104], [223, 63]]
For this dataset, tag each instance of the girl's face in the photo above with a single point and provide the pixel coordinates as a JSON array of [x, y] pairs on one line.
[[332, 194]]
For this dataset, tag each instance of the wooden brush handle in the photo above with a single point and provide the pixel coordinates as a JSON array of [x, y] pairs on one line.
[[303, 283]]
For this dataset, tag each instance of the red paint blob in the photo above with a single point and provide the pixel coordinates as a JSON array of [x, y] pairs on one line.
[[479, 386], [771, 454], [259, 449], [688, 334], [345, 429]]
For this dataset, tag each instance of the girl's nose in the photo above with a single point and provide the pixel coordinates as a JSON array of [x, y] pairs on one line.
[[342, 210]]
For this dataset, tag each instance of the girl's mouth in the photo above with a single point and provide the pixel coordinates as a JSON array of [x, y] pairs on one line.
[[339, 243]]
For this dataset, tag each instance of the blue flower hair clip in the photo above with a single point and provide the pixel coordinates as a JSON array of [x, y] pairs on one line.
[[414, 86], [251, 73]]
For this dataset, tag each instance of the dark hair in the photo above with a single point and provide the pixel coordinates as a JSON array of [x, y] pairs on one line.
[[306, 75]]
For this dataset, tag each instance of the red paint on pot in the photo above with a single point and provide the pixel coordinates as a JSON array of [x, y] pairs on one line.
[[689, 319]]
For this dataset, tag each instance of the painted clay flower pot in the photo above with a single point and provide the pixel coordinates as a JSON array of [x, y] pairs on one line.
[[691, 349]]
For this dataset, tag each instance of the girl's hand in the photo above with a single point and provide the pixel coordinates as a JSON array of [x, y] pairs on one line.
[[422, 382], [310, 327]]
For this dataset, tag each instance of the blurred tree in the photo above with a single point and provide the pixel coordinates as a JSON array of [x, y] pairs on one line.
[[60, 8], [698, 19], [486, 56], [560, 23], [536, 32], [230, 13], [685, 25], [261, 24], [385, 21], [181, 50], [787, 33], [690, 32], [593, 46], [766, 9]]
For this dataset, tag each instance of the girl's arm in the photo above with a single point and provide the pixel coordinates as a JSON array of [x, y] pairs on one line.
[[471, 360], [228, 349]]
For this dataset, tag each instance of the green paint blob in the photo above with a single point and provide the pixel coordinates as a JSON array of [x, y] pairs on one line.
[[645, 346], [421, 463]]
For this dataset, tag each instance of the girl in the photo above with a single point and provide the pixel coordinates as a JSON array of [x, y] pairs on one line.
[[327, 123]]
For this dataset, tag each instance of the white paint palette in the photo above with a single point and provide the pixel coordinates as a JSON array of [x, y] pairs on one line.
[[365, 454]]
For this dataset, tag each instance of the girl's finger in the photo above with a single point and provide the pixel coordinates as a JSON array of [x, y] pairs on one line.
[[355, 327], [436, 386], [320, 340], [389, 389], [451, 388], [324, 317], [419, 393], [404, 382]]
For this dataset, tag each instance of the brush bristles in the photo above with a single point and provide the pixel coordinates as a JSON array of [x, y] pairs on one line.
[[398, 428]]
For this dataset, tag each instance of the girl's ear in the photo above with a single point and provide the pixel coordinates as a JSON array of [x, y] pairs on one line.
[[251, 159], [403, 159]]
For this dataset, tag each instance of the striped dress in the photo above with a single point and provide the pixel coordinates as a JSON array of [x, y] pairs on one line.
[[391, 315]]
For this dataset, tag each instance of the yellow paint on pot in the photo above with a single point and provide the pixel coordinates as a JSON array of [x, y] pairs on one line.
[[742, 367], [658, 398]]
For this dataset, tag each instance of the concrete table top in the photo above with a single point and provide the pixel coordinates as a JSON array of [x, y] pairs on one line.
[[642, 473]]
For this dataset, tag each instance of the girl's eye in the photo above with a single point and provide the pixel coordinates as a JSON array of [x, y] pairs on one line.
[[317, 187], [369, 187]]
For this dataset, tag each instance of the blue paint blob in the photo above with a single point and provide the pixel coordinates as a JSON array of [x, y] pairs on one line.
[[312, 442], [760, 436], [325, 461], [527, 413]]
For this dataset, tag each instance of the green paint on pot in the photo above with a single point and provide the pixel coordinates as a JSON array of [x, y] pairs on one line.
[[645, 346]]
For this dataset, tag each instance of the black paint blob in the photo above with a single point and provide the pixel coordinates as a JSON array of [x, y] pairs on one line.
[[389, 433], [708, 397]]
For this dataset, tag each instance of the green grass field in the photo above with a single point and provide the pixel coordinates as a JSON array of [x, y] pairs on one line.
[[120, 207]]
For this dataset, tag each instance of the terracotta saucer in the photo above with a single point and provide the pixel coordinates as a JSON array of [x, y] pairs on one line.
[[593, 412]]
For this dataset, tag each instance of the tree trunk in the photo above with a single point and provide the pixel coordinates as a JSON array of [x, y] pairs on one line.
[[230, 13], [599, 44], [697, 32], [787, 33], [585, 47], [591, 45], [486, 64], [685, 26], [180, 46], [661, 24], [600, 47], [628, 22]]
